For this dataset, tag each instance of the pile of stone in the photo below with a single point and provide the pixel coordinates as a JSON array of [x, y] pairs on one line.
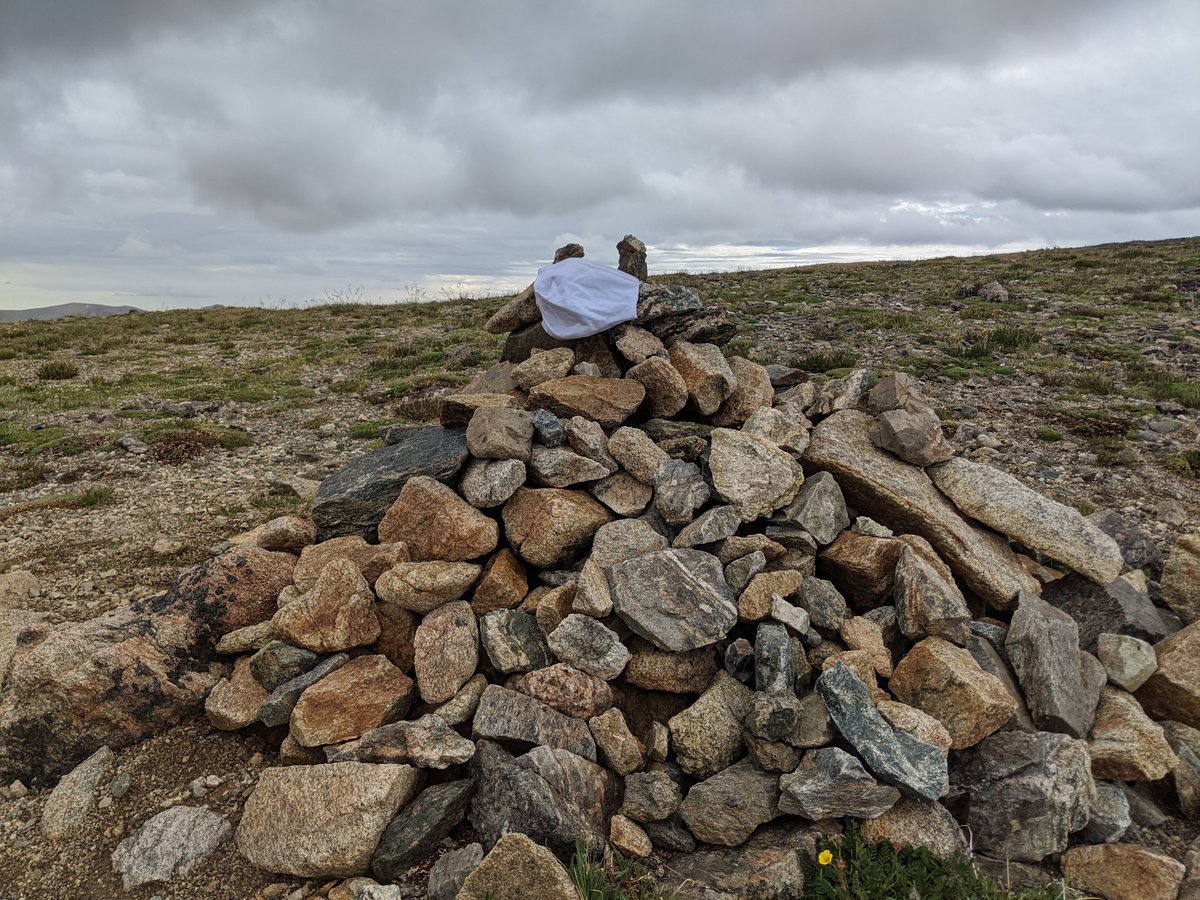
[[633, 592]]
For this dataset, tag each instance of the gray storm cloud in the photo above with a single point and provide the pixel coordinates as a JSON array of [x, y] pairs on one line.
[[229, 151]]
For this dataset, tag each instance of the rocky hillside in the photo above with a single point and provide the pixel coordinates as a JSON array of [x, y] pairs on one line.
[[624, 592]]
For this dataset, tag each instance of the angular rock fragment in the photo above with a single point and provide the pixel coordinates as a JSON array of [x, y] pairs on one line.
[[928, 602], [830, 783], [900, 759], [171, 843], [234, 702], [277, 708], [1173, 691], [666, 391], [437, 524], [636, 453], [1025, 793], [676, 599], [422, 587], [706, 373], [785, 432], [1043, 647], [679, 490], [1123, 872], [726, 808], [503, 584], [451, 870], [1127, 660], [1108, 815], [489, 483], [556, 797], [544, 366], [606, 401], [650, 796], [589, 645], [707, 736], [1181, 578], [559, 467], [751, 474], [752, 391], [862, 565], [517, 869], [428, 743], [945, 681], [75, 795], [623, 494], [446, 651], [365, 693], [505, 715], [323, 820], [513, 641], [621, 751], [1118, 607], [499, 433], [912, 433], [566, 689], [412, 836], [710, 526], [655, 669], [546, 526], [1125, 745], [337, 614]]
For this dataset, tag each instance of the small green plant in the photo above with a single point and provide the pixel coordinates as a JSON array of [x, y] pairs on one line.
[[1095, 383], [57, 370], [826, 360], [1185, 465], [1048, 434], [848, 868], [624, 879]]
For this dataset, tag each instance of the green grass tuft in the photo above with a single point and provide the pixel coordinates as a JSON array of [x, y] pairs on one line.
[[57, 370], [624, 879]]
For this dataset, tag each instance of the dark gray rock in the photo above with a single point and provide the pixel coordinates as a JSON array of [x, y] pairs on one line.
[[1043, 647], [774, 667], [650, 796], [277, 708], [710, 526], [1137, 548], [824, 603], [505, 715], [1116, 608], [672, 312], [913, 766], [414, 834], [278, 663], [767, 867], [676, 599], [1024, 794], [513, 641], [670, 834], [547, 429], [1108, 815], [739, 660], [830, 783], [771, 717], [553, 796], [740, 572], [819, 508], [451, 870], [354, 499], [632, 257]]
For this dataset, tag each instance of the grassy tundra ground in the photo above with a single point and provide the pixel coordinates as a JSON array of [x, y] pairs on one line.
[[1085, 384]]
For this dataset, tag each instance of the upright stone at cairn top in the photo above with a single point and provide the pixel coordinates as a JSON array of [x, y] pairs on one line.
[[633, 257]]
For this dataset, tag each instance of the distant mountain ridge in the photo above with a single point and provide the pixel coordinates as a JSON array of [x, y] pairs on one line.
[[46, 313]]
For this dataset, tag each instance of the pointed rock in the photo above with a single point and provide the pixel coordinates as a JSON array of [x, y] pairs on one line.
[[437, 524]]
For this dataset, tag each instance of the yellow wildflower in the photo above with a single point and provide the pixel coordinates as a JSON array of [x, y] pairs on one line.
[[825, 858]]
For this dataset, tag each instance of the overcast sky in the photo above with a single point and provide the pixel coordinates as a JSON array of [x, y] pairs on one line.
[[166, 153]]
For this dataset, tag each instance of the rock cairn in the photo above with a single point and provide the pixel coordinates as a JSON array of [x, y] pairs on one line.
[[633, 592]]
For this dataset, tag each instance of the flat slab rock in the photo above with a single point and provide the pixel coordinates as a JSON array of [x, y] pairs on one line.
[[169, 844], [676, 599], [354, 499], [886, 488], [1002, 502], [322, 820]]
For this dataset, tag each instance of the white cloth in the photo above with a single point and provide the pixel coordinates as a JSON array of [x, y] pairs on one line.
[[579, 298]]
